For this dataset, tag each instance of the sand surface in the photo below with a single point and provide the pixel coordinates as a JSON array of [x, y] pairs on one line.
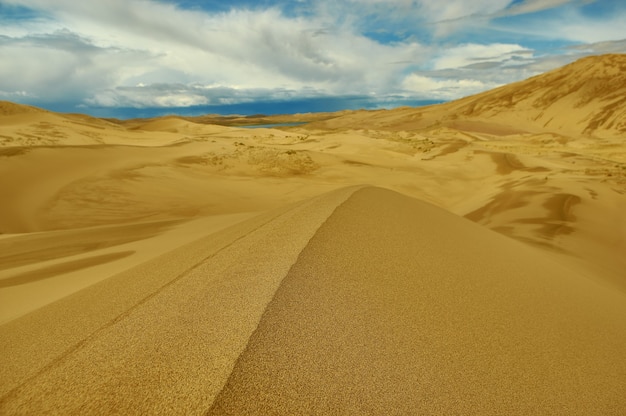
[[301, 310], [465, 258], [171, 328], [438, 330]]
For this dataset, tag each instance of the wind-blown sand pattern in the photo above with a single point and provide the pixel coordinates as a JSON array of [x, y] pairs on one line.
[[436, 331], [465, 258]]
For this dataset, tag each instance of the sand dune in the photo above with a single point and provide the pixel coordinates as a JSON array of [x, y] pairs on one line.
[[585, 98], [25, 126], [349, 265], [364, 301], [460, 322], [39, 268], [175, 125], [208, 297], [239, 120]]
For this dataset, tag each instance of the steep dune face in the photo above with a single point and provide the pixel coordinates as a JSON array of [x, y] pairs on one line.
[[208, 296], [557, 143], [439, 330], [584, 98], [164, 264], [8, 108], [587, 97], [360, 301]]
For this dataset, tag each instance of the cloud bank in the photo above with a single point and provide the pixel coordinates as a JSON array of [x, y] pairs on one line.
[[167, 54]]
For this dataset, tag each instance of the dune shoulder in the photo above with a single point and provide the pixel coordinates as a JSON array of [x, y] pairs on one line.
[[377, 301]]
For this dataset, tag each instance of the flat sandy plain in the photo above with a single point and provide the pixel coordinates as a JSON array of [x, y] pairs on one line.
[[463, 258]]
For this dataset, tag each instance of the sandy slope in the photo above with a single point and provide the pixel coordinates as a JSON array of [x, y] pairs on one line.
[[564, 194], [397, 307], [135, 250], [584, 98], [171, 328], [29, 126], [39, 268], [364, 301]]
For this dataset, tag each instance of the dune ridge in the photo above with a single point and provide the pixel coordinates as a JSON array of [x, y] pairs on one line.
[[463, 258], [392, 308], [366, 313], [584, 98], [170, 328]]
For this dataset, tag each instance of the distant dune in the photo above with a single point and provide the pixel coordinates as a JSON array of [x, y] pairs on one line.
[[585, 98], [462, 258]]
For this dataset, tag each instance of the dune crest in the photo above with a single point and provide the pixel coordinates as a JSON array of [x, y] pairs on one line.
[[582, 99], [463, 258], [8, 108], [171, 327], [384, 302], [398, 306]]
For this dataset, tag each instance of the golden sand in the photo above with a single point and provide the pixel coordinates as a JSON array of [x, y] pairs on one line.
[[397, 307], [464, 258]]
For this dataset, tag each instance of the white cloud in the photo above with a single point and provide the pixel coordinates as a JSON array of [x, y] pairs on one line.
[[455, 9], [149, 96], [98, 52], [131, 42], [180, 95], [62, 66], [598, 48], [533, 6], [444, 89], [570, 24], [471, 53], [579, 28]]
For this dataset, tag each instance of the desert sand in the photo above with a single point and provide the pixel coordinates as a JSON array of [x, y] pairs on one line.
[[462, 258]]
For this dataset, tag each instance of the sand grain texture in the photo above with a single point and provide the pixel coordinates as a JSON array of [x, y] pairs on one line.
[[178, 266], [397, 307], [359, 312], [172, 347]]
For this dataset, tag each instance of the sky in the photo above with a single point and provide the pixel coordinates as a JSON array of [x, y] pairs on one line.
[[143, 58]]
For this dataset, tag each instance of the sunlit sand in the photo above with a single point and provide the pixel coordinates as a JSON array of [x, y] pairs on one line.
[[462, 258]]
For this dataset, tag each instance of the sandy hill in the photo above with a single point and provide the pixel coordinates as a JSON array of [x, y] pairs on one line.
[[8, 108], [584, 98], [265, 119], [22, 125], [173, 124], [231, 120], [29, 127], [167, 266], [354, 302]]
